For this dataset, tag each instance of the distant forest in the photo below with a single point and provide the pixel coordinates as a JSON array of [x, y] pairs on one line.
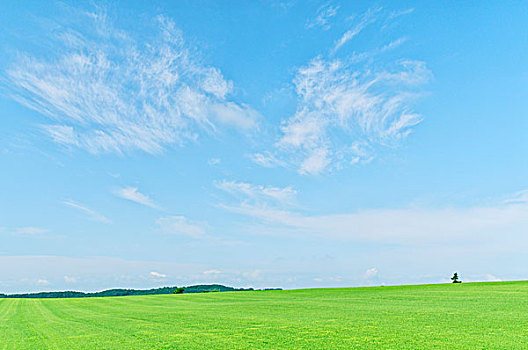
[[201, 288]]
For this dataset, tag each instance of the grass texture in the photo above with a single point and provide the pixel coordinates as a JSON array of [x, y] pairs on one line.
[[448, 316]]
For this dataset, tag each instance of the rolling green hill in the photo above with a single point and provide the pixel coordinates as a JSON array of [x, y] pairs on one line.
[[449, 316]]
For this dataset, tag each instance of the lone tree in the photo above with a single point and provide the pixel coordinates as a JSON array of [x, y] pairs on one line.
[[178, 290], [455, 278]]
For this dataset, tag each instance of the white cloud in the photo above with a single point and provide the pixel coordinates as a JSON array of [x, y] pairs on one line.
[[349, 106], [240, 116], [30, 231], [316, 162], [324, 14], [42, 282], [519, 197], [371, 273], [69, 279], [214, 161], [266, 159], [212, 272], [107, 90], [402, 226], [366, 19], [157, 275], [132, 194], [91, 213], [367, 108], [61, 134], [179, 225], [396, 14], [258, 192], [360, 152]]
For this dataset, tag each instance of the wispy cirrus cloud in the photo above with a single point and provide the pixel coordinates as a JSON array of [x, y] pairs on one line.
[[323, 16], [89, 212], [364, 106], [243, 190], [520, 197], [107, 90], [266, 159], [470, 225], [133, 194], [181, 226], [42, 282], [198, 231], [157, 275], [70, 279], [478, 224], [396, 14], [30, 231], [214, 161], [349, 105], [367, 18]]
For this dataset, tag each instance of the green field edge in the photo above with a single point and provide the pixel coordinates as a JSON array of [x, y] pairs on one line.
[[185, 295]]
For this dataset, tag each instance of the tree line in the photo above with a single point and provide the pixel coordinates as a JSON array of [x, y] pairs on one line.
[[123, 292]]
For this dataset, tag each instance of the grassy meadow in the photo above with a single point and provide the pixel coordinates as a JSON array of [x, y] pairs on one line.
[[448, 316]]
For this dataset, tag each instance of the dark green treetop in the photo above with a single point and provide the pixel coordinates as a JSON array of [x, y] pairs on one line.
[[455, 278]]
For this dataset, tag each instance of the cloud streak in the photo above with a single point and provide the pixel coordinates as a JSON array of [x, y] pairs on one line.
[[266, 159], [158, 275], [324, 14], [30, 231], [520, 197], [366, 19], [181, 226], [89, 212], [280, 195], [504, 218], [133, 194], [402, 226], [106, 90]]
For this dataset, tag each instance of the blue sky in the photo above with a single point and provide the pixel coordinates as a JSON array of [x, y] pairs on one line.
[[267, 144]]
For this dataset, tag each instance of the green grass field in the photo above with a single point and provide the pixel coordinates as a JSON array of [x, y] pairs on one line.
[[449, 316]]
